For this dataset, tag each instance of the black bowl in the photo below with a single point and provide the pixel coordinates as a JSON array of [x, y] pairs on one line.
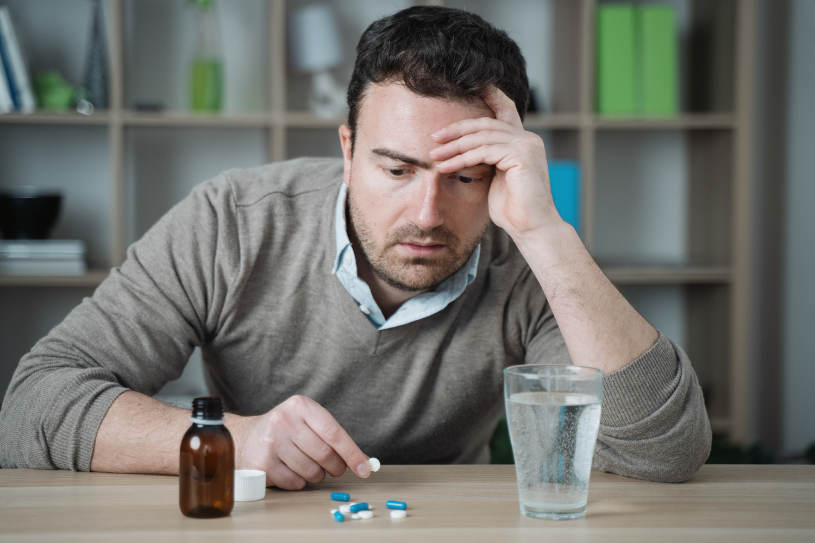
[[28, 213]]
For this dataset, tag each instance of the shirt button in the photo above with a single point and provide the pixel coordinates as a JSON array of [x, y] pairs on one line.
[[364, 309]]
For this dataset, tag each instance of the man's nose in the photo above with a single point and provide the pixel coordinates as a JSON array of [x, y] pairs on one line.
[[429, 213]]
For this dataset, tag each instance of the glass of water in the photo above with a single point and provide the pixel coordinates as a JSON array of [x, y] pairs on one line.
[[553, 414]]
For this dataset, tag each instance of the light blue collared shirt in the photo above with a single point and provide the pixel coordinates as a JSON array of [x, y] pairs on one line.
[[420, 306]]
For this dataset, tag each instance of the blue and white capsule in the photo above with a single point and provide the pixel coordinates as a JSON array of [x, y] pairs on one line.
[[395, 504], [340, 496], [339, 517], [357, 507]]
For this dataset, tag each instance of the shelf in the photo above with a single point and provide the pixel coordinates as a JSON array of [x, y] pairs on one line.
[[555, 120], [667, 275], [45, 117], [185, 119], [306, 119], [686, 121], [89, 279]]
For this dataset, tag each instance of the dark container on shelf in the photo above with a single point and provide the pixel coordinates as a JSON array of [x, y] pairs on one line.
[[28, 213]]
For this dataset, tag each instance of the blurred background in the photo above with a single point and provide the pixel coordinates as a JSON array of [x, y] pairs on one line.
[[680, 134]]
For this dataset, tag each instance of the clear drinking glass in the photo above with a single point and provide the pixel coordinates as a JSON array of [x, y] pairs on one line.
[[553, 414]]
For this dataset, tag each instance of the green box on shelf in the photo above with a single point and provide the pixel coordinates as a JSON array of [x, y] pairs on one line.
[[656, 30], [615, 65]]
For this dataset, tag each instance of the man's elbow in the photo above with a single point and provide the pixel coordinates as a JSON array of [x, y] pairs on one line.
[[686, 463], [690, 464]]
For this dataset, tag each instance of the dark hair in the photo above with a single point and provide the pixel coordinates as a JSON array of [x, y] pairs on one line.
[[439, 52]]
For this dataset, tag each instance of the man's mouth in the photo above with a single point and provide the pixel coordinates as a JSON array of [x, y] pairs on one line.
[[422, 248]]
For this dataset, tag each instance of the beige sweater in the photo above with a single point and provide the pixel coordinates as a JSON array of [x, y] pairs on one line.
[[242, 268]]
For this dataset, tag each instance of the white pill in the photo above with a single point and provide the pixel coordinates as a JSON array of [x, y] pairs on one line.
[[345, 508], [334, 511], [398, 513], [365, 514], [355, 516], [374, 463]]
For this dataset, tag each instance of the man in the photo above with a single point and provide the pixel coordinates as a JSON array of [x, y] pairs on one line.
[[368, 305]]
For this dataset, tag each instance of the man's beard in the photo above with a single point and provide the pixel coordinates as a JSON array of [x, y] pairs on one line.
[[413, 274]]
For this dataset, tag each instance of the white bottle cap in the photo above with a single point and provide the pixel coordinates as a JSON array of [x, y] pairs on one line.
[[250, 485]]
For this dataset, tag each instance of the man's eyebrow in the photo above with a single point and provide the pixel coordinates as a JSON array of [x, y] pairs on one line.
[[401, 158]]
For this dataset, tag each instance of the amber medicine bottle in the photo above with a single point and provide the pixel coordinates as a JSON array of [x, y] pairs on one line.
[[207, 463]]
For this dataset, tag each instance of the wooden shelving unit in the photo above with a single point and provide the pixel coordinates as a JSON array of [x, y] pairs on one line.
[[710, 280]]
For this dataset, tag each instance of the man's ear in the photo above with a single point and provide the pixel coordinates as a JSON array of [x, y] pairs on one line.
[[345, 144]]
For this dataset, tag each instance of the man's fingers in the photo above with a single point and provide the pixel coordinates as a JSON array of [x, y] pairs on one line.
[[469, 126], [281, 476], [329, 430], [300, 463], [502, 105], [470, 141], [485, 154], [320, 451]]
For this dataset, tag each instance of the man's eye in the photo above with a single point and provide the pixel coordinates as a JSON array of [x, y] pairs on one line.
[[396, 172], [465, 179]]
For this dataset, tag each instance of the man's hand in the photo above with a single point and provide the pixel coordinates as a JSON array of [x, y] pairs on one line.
[[520, 198], [296, 442]]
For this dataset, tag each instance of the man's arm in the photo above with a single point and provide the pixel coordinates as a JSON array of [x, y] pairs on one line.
[[136, 332], [654, 422], [294, 443], [73, 400], [599, 326]]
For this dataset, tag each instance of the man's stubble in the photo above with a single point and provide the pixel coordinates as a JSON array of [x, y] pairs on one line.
[[415, 274]]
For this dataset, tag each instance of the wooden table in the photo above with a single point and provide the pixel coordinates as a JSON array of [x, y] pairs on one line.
[[445, 503]]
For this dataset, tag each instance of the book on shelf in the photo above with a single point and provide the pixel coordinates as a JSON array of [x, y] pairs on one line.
[[564, 180], [616, 71], [42, 257], [636, 59], [657, 43], [14, 67], [6, 105]]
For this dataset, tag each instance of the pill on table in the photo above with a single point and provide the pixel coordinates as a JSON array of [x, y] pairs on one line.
[[340, 496], [374, 464], [398, 513], [334, 511], [355, 516], [357, 507], [346, 508], [366, 514], [339, 517], [394, 504]]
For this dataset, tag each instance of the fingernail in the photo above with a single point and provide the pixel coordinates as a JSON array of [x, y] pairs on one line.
[[436, 135], [363, 470]]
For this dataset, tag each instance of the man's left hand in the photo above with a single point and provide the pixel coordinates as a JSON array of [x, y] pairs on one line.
[[520, 198]]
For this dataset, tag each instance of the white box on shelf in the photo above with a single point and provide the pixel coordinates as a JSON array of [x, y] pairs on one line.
[[48, 249], [42, 257], [35, 266]]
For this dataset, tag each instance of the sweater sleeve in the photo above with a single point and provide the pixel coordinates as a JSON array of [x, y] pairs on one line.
[[136, 332], [654, 424]]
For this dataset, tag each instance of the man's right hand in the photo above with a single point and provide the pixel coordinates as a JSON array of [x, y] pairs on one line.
[[295, 443]]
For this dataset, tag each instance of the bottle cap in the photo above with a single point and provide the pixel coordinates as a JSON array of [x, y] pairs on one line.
[[207, 408], [250, 485]]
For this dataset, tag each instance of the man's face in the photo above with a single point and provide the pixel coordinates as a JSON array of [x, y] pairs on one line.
[[416, 226]]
